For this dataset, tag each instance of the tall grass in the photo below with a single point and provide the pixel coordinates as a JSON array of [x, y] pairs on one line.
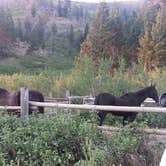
[[87, 78]]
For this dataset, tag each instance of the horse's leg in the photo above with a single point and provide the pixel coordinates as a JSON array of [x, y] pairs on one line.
[[41, 110], [30, 111], [124, 119], [133, 116], [102, 116]]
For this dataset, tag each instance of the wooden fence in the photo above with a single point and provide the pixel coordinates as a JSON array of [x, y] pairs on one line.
[[25, 103]]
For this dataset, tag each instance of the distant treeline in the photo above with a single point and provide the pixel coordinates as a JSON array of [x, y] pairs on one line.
[[42, 24], [133, 31], [134, 35]]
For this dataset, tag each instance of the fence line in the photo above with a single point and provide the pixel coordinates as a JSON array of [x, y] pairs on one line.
[[99, 107], [24, 98], [86, 99]]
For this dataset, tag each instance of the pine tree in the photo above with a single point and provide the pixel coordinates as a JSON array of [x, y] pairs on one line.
[[153, 38], [19, 30], [71, 39], [38, 34], [97, 44], [158, 34], [28, 29], [86, 31], [67, 8], [7, 32], [54, 29], [59, 8], [33, 10], [132, 28]]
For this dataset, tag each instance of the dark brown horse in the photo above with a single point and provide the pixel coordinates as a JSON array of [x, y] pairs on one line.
[[128, 99], [34, 96], [13, 99]]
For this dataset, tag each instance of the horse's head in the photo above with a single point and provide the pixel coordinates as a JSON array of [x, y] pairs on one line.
[[153, 93]]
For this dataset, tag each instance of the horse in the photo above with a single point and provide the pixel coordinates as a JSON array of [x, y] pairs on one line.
[[8, 99], [128, 99], [33, 96], [162, 100], [13, 99]]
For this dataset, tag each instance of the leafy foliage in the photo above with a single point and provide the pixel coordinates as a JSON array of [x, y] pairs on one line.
[[46, 140]]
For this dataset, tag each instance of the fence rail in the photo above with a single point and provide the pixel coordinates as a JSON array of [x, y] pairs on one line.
[[148, 130], [10, 107], [85, 99], [97, 107], [24, 98]]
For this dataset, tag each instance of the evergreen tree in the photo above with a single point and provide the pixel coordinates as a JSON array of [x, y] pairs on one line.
[[10, 26], [132, 28], [33, 10], [38, 34], [86, 31], [67, 8], [147, 41], [158, 33], [71, 39], [28, 29], [7, 32], [59, 8], [19, 30], [97, 44], [54, 29], [105, 39]]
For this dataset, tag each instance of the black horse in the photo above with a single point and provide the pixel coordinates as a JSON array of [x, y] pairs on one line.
[[7, 98], [128, 99], [13, 99], [162, 100]]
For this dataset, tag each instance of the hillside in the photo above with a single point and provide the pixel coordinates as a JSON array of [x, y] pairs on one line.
[[46, 33]]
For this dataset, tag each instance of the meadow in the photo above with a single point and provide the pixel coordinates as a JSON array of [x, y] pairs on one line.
[[53, 140]]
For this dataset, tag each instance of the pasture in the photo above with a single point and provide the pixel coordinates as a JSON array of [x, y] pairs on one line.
[[63, 128], [35, 130]]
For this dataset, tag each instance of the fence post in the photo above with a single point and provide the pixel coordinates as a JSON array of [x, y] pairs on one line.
[[68, 96], [24, 98]]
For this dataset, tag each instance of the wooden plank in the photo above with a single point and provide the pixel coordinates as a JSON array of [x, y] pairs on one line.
[[99, 107], [85, 98], [10, 107], [24, 98], [148, 131]]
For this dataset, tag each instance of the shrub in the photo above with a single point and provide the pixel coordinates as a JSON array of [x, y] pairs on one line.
[[125, 141], [56, 140]]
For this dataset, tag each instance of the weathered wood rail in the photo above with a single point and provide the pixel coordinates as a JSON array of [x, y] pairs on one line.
[[147, 131], [99, 107]]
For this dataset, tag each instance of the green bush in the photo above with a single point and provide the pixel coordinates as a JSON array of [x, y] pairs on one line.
[[125, 141], [54, 140]]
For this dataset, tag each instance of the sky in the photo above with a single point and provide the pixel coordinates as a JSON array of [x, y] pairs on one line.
[[95, 1]]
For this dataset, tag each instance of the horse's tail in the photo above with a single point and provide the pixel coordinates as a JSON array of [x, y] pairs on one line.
[[41, 109], [96, 102]]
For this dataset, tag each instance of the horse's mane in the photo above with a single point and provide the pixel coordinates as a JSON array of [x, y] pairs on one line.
[[144, 90], [140, 92]]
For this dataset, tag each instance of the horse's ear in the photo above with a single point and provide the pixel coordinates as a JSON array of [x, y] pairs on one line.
[[151, 83]]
